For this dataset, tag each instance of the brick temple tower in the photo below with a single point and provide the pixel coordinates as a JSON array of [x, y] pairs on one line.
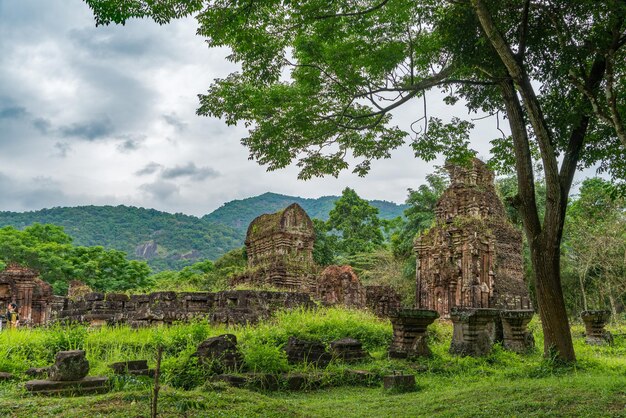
[[472, 257]]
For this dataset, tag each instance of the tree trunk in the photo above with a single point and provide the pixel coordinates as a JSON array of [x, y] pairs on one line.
[[545, 256]]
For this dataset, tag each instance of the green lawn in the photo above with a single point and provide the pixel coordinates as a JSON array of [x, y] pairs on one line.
[[501, 384]]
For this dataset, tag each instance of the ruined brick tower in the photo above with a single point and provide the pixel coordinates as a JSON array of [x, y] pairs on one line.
[[33, 296], [280, 250], [472, 257]]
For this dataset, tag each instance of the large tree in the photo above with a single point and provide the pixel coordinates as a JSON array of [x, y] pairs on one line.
[[319, 80], [356, 222]]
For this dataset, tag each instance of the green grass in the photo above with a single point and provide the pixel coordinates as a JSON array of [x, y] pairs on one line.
[[501, 384]]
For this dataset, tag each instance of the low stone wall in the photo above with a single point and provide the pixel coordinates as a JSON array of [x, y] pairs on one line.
[[383, 301], [227, 307]]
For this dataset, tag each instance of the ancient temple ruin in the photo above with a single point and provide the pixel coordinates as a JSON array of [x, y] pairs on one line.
[[32, 295], [280, 251], [472, 257]]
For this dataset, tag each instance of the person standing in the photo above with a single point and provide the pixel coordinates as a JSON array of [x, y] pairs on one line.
[[12, 317]]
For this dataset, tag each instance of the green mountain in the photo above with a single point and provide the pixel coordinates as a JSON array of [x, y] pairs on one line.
[[238, 214], [165, 240], [172, 241]]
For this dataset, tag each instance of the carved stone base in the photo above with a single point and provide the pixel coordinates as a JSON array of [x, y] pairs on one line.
[[409, 332], [594, 327], [517, 337], [473, 331]]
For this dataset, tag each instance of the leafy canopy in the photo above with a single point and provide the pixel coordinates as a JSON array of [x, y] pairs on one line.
[[319, 78]]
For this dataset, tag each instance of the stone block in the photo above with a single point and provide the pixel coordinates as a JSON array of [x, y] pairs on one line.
[[473, 331], [132, 367], [88, 385], [516, 336], [595, 334], [220, 352], [302, 351], [231, 379], [348, 350], [399, 383], [94, 296], [69, 366], [4, 376], [409, 332], [295, 381], [362, 377], [117, 297], [38, 372]]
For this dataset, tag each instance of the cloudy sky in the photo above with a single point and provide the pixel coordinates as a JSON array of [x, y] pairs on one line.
[[107, 116]]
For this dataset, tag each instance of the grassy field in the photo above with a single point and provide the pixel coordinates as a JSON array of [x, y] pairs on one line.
[[501, 384]]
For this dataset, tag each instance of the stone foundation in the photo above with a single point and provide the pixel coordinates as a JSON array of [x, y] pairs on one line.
[[595, 334], [473, 333], [228, 307], [409, 332], [516, 336], [67, 376]]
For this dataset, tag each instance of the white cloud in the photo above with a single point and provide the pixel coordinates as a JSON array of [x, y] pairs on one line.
[[100, 109]]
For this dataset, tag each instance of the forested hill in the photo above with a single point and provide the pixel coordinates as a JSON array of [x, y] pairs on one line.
[[165, 240], [172, 241], [238, 214]]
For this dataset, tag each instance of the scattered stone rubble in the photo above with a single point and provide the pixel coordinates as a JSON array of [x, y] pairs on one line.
[[220, 353], [303, 351], [595, 334], [348, 350], [133, 368], [68, 376]]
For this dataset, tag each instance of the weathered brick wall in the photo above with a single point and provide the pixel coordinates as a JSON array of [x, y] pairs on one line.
[[227, 307], [32, 295]]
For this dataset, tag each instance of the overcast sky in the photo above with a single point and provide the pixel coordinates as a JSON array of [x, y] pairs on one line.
[[92, 116]]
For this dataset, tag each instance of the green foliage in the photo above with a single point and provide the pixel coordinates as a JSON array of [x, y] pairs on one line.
[[203, 275], [594, 248], [357, 224], [325, 246], [185, 371], [180, 239], [47, 249], [267, 358], [419, 214], [318, 83]]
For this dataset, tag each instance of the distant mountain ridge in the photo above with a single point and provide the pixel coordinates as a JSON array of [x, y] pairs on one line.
[[172, 241], [238, 214]]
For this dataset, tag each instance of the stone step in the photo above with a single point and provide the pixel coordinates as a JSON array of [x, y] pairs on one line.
[[88, 385]]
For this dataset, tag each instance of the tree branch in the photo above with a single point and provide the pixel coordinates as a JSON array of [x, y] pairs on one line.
[[357, 13]]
